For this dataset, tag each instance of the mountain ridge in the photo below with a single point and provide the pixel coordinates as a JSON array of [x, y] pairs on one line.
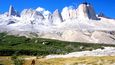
[[79, 25]]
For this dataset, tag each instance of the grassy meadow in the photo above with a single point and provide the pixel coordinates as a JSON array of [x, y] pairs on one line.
[[104, 60]]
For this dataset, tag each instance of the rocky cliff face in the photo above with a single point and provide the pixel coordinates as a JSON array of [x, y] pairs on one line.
[[65, 13], [69, 13], [86, 11], [56, 17]]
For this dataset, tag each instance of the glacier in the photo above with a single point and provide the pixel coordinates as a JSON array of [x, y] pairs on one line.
[[80, 24]]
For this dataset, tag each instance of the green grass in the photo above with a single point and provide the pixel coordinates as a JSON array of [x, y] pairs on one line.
[[10, 45]]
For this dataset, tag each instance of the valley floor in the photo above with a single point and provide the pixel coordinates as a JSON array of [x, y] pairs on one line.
[[23, 50], [89, 60]]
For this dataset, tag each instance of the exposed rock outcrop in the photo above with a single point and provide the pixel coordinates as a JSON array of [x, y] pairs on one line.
[[72, 35], [56, 17], [12, 11], [102, 37], [86, 11], [29, 13]]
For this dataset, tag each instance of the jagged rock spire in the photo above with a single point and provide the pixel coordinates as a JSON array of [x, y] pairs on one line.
[[85, 10], [12, 11], [57, 18], [101, 14]]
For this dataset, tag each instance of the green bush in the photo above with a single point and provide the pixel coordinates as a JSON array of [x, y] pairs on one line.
[[17, 61]]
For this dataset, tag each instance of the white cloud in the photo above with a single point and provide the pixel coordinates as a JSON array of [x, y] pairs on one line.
[[40, 9], [46, 12]]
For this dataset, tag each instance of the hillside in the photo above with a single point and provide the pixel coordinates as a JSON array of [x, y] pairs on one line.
[[10, 45]]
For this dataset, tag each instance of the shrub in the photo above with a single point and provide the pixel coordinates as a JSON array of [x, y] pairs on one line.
[[17, 61]]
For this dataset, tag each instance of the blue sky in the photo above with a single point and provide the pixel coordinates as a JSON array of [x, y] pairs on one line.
[[105, 6]]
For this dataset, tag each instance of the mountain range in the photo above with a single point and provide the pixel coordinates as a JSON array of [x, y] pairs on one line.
[[80, 24]]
